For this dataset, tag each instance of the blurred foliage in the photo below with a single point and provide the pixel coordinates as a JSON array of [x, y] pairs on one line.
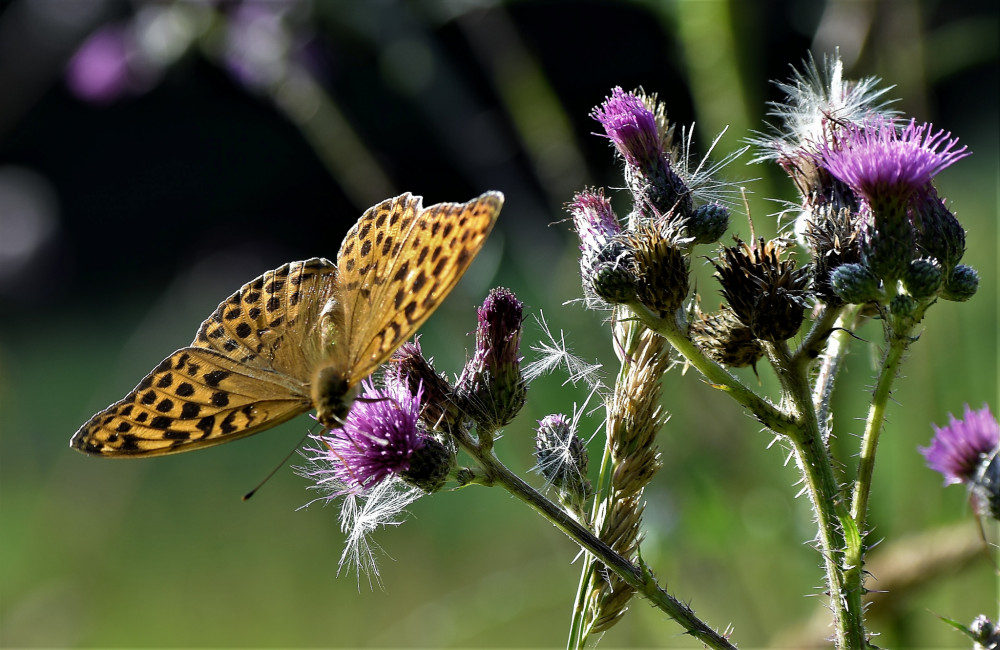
[[146, 209]]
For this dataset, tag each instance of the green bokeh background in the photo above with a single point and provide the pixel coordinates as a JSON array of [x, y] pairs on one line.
[[170, 199]]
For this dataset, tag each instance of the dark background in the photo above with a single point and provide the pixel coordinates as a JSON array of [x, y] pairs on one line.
[[127, 214]]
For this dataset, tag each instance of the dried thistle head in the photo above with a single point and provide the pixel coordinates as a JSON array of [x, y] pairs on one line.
[[767, 294], [726, 340]]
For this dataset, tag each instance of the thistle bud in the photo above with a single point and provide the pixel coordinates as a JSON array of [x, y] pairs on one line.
[[492, 389], [941, 235], [708, 223], [923, 278], [903, 306], [430, 465], [961, 284], [412, 370], [855, 284], [661, 268], [562, 460], [614, 281]]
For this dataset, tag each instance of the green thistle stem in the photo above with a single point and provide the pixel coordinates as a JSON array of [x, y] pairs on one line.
[[767, 413], [803, 431], [637, 577], [834, 523], [898, 335]]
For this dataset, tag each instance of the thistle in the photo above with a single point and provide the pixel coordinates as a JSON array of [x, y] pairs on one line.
[[413, 372], [606, 263], [965, 451], [639, 135], [725, 339], [491, 389]]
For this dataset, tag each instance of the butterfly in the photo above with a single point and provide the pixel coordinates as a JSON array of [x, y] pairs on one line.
[[302, 336]]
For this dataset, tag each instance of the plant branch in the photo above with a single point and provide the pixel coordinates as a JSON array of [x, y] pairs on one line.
[[638, 577]]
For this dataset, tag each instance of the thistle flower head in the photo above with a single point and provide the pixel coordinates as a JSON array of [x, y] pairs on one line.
[[379, 439], [491, 387], [886, 166], [631, 126], [958, 449], [605, 262], [594, 220]]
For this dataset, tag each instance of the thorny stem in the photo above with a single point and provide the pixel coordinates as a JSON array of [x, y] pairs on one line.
[[835, 528], [637, 577], [899, 340], [803, 431]]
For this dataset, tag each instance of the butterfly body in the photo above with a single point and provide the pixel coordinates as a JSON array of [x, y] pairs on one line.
[[301, 336]]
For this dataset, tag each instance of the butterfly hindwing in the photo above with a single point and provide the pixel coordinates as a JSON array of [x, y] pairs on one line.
[[194, 398], [399, 263]]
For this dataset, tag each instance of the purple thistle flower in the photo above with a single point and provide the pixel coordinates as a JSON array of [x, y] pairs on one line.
[[882, 164], [492, 386], [631, 127], [958, 449], [594, 220], [379, 438]]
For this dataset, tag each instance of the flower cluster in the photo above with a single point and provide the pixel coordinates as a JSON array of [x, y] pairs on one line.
[[646, 263], [870, 215]]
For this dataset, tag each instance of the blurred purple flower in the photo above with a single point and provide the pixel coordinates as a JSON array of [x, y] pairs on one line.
[[257, 43], [379, 438], [111, 64], [99, 71], [958, 449]]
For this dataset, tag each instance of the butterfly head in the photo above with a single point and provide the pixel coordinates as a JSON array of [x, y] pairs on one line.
[[332, 395]]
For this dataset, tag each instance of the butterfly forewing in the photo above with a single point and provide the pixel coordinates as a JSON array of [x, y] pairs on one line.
[[398, 265], [195, 398], [271, 322]]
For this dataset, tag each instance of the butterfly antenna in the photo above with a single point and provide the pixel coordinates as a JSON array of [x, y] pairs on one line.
[[246, 497]]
